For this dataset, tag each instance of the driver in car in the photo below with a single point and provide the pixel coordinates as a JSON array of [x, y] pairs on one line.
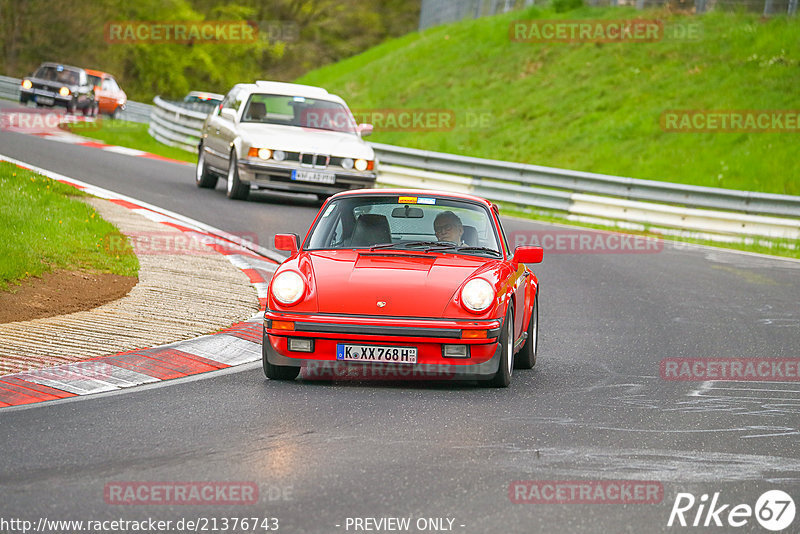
[[448, 227]]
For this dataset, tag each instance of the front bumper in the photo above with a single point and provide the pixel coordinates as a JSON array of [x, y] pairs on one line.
[[427, 335], [279, 176], [44, 97]]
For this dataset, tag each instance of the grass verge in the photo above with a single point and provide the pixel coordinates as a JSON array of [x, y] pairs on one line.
[[130, 135], [46, 227]]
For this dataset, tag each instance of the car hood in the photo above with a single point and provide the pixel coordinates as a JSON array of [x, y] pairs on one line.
[[410, 284], [296, 139]]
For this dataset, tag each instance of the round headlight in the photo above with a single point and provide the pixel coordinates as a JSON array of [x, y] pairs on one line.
[[361, 165], [279, 155], [264, 153], [477, 295], [347, 163], [27, 84], [288, 287], [64, 91]]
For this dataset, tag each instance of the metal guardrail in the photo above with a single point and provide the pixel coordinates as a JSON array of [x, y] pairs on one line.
[[176, 125], [526, 182]]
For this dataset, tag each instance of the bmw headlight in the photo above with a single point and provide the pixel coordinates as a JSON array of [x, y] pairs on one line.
[[361, 164], [279, 155], [288, 287], [264, 153], [347, 163], [477, 295]]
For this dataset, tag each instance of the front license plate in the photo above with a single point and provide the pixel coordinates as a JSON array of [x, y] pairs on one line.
[[373, 353], [46, 100], [314, 176]]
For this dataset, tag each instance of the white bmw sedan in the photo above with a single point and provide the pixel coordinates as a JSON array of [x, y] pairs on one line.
[[286, 137]]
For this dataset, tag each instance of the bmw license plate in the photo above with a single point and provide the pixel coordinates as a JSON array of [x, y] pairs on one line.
[[45, 100], [375, 353], [313, 176]]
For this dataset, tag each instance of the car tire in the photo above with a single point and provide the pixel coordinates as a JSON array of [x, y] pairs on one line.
[[526, 358], [236, 189], [502, 378], [203, 177], [276, 372], [115, 114], [71, 107]]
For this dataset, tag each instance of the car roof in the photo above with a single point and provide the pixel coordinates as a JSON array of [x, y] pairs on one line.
[[62, 65], [290, 89], [414, 193], [98, 73]]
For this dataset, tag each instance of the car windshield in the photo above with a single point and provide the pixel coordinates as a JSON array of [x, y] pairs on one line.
[[54, 74], [418, 223], [299, 111], [94, 80]]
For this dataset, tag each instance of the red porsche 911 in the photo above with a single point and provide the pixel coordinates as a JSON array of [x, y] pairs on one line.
[[420, 281]]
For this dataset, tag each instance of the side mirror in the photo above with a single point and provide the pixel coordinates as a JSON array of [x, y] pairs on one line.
[[528, 254], [228, 113], [364, 129], [288, 242]]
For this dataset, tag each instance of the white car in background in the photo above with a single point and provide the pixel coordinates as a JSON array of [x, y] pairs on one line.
[[285, 137]]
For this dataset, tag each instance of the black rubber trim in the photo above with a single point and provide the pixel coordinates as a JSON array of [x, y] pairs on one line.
[[372, 330]]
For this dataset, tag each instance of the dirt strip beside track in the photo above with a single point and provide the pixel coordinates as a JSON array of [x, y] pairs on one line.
[[184, 291]]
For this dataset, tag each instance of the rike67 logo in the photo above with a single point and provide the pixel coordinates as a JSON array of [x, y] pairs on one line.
[[774, 510]]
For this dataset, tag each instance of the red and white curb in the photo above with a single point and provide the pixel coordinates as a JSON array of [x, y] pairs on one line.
[[236, 345]]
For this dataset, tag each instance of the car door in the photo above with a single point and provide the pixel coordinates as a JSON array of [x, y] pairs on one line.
[[214, 144]]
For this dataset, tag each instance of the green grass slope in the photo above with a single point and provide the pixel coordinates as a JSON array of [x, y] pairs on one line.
[[592, 107]]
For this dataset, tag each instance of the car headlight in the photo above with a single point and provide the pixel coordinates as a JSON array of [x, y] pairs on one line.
[[288, 287], [64, 91], [361, 164], [477, 295], [264, 153], [278, 155], [27, 84], [347, 163]]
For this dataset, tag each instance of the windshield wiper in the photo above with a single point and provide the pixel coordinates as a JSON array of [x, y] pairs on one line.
[[480, 249], [385, 245]]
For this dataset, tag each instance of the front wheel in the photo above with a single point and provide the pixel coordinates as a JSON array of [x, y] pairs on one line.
[[502, 378], [236, 189], [526, 358], [276, 372], [203, 177]]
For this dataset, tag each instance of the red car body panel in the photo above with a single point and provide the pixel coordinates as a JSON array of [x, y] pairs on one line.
[[417, 295]]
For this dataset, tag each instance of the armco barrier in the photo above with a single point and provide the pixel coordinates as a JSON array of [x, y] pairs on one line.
[[175, 125]]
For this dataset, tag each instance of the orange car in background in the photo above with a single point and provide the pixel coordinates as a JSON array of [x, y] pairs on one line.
[[110, 97]]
